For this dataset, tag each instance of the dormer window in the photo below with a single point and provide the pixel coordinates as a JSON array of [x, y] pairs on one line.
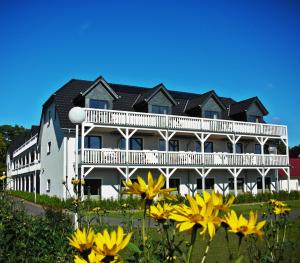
[[211, 114], [253, 118], [99, 104], [157, 109]]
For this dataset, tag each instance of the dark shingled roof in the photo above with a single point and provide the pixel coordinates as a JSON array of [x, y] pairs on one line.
[[240, 106], [22, 138], [129, 96]]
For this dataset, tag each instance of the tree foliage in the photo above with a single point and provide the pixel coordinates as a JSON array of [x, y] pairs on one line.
[[295, 151], [7, 134]]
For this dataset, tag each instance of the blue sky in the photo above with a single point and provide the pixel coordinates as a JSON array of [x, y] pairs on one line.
[[238, 48]]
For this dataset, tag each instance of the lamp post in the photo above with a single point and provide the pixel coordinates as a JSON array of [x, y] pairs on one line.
[[76, 116]]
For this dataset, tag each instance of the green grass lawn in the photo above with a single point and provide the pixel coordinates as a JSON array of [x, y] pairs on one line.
[[219, 252], [239, 208]]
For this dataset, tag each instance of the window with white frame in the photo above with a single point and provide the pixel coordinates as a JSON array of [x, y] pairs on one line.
[[48, 147], [48, 186]]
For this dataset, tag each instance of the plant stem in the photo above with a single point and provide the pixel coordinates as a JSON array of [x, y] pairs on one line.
[[146, 255], [206, 251], [193, 239]]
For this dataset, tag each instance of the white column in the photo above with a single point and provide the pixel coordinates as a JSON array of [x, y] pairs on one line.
[[127, 152], [167, 178], [235, 185], [263, 180], [288, 178], [203, 183]]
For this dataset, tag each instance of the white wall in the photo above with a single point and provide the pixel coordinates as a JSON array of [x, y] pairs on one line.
[[294, 184], [52, 165]]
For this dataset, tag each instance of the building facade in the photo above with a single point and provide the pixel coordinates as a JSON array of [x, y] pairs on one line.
[[197, 141]]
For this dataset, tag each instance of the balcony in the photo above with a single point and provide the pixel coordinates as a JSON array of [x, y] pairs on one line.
[[32, 141], [34, 166], [181, 123], [174, 159]]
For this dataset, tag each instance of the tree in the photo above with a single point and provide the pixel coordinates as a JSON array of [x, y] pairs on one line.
[[295, 151], [7, 134]]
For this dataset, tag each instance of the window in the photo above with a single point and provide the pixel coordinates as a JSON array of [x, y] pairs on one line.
[[209, 184], [160, 109], [267, 183], [254, 118], [49, 117], [134, 144], [32, 156], [211, 114], [49, 148], [238, 147], [257, 149], [198, 146], [174, 183], [240, 184], [92, 187], [173, 145], [266, 149], [98, 104], [93, 142], [48, 187], [208, 147]]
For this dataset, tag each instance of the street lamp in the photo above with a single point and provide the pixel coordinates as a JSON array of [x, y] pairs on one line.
[[76, 116]]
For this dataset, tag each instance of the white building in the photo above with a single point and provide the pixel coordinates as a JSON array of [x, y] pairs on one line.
[[198, 141]]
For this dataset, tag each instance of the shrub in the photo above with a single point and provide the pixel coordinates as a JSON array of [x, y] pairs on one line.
[[26, 238]]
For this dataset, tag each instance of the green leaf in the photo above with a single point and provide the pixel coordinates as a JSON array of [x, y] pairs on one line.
[[239, 259], [132, 247]]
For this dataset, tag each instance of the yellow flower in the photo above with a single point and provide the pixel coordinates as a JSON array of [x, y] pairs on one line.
[[108, 245], [78, 259], [278, 203], [161, 212], [243, 227], [82, 240], [198, 214], [125, 205], [281, 210], [150, 191], [97, 209], [217, 200]]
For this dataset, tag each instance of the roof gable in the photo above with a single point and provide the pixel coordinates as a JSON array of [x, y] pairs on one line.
[[199, 101], [101, 81], [150, 93], [244, 105]]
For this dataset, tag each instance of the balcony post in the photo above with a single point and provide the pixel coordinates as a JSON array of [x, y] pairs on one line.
[[167, 178], [203, 184], [288, 179], [235, 173], [167, 155], [235, 185], [263, 181]]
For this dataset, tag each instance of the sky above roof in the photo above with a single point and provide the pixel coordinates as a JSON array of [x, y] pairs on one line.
[[240, 49]]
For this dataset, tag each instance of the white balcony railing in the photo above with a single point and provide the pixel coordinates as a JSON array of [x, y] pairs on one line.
[[158, 158], [171, 122], [32, 141], [27, 168]]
